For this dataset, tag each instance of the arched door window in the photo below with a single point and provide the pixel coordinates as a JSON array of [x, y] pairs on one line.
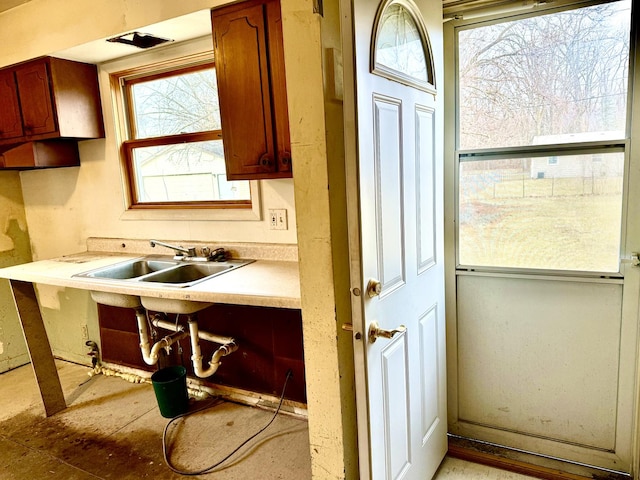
[[401, 50]]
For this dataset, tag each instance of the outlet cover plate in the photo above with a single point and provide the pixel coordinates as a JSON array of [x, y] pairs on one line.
[[278, 219]]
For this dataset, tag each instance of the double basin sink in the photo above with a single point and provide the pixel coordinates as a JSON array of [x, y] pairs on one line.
[[159, 270]]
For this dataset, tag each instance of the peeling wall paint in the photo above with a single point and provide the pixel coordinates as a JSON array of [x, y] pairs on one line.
[[15, 248]]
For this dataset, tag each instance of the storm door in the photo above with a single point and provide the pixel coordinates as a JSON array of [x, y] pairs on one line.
[[544, 293]]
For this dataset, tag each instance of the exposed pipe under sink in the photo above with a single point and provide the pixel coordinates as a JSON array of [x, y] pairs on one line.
[[196, 355], [150, 354]]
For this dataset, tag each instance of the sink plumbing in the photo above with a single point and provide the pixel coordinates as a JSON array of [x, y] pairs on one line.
[[150, 354], [182, 253]]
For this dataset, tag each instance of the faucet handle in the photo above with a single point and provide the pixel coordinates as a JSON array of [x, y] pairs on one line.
[[218, 255]]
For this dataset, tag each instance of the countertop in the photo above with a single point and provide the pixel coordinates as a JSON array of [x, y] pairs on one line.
[[265, 282]]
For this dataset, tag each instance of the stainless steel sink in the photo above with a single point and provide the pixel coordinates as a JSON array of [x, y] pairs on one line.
[[160, 270], [163, 270], [130, 269], [190, 273]]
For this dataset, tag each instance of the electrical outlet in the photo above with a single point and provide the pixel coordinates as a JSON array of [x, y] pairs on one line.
[[278, 219]]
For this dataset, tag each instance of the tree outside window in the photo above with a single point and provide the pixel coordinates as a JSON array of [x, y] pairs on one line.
[[174, 153]]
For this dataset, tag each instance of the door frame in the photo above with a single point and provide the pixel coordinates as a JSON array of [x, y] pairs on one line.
[[354, 237]]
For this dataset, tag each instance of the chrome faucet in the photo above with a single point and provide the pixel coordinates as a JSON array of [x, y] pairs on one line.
[[180, 251]]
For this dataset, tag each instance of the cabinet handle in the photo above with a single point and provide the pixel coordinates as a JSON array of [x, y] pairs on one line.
[[285, 160], [266, 161]]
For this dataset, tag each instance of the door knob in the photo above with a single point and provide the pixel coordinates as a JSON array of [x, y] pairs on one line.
[[374, 287], [375, 331]]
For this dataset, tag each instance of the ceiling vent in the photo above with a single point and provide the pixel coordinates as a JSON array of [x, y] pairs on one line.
[[140, 40]]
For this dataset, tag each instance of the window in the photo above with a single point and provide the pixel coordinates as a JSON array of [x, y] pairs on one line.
[[541, 141], [173, 153], [402, 52]]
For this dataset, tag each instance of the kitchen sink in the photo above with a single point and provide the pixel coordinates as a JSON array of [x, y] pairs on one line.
[[162, 270], [187, 274], [130, 269]]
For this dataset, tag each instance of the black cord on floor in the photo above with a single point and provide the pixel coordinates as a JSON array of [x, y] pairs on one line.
[[217, 464]]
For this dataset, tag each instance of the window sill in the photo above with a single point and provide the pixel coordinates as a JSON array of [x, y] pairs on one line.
[[201, 214]]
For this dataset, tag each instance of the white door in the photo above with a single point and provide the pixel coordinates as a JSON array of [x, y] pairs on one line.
[[397, 270]]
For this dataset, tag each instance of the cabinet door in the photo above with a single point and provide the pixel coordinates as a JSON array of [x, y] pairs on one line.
[[242, 70], [38, 116], [10, 119]]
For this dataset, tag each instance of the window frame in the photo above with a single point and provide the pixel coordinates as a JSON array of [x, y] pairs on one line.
[[460, 22], [123, 82]]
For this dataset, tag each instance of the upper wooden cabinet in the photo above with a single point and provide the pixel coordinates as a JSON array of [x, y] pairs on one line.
[[49, 98], [249, 56]]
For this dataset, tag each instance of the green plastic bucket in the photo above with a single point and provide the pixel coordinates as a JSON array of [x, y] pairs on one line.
[[170, 387]]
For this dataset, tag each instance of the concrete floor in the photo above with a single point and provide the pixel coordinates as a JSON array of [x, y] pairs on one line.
[[113, 430]]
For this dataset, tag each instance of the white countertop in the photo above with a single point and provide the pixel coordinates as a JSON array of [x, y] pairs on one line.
[[265, 283]]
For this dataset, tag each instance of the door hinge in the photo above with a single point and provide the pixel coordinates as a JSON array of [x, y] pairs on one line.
[[318, 8]]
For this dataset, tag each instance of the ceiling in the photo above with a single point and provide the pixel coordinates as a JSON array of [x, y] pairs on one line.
[[8, 4], [186, 27], [197, 25], [179, 29]]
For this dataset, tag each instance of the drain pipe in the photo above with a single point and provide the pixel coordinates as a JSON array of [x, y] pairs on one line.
[[150, 354], [157, 321], [228, 346]]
